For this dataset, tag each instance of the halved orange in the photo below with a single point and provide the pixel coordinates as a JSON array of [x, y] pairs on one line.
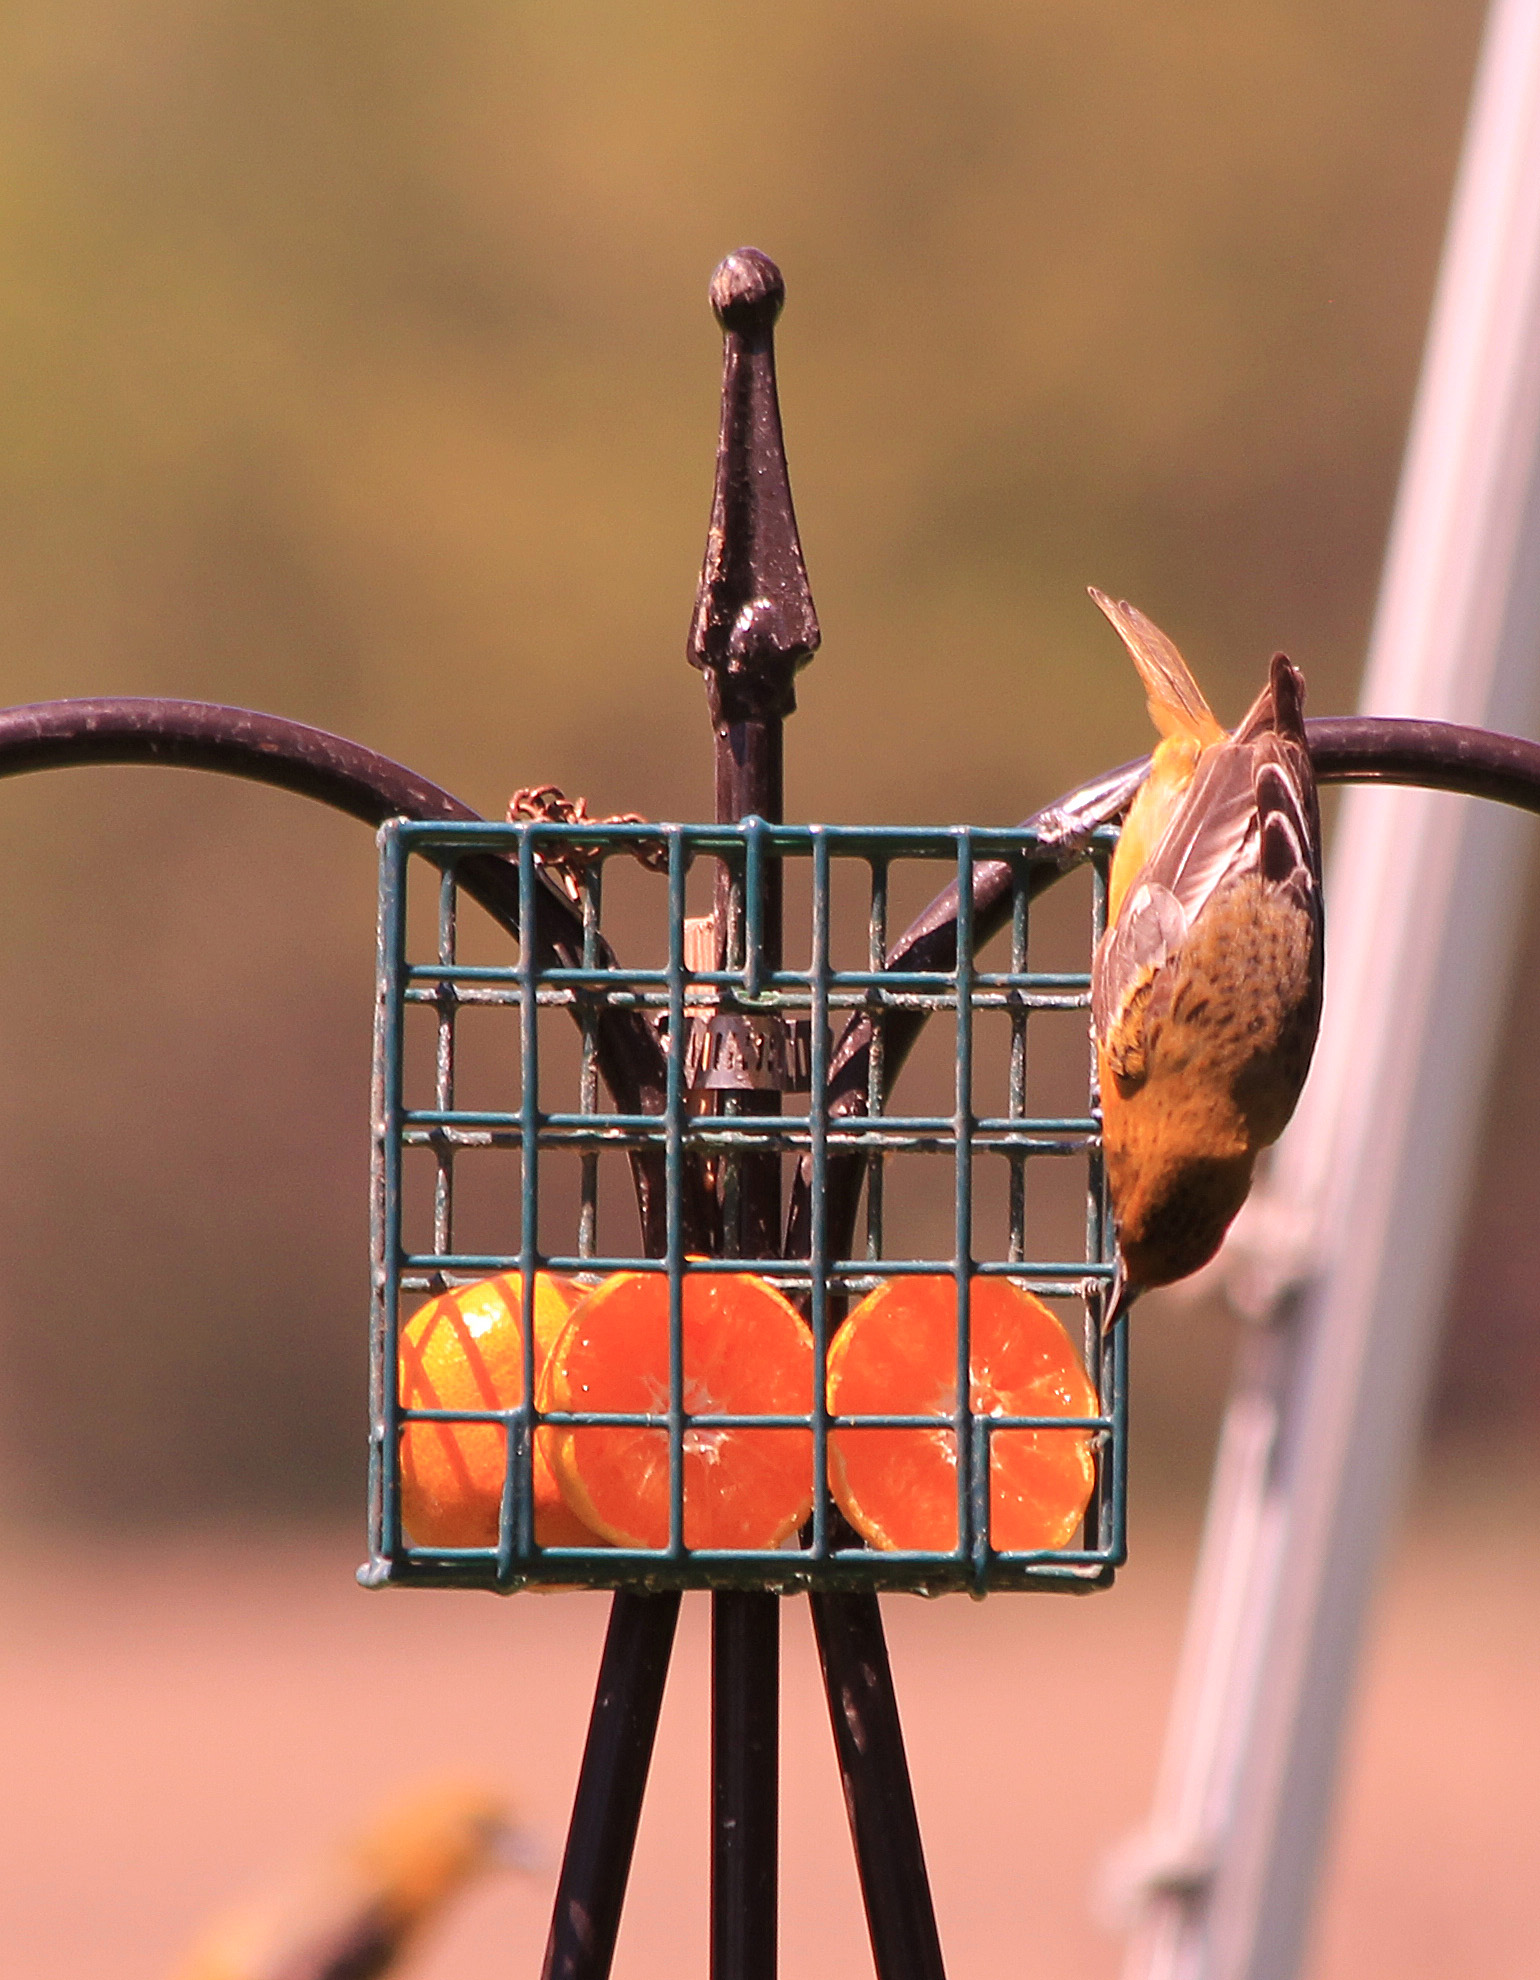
[[897, 1355], [747, 1352], [465, 1350]]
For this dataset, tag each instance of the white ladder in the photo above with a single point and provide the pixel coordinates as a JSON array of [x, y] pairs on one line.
[[1342, 1260]]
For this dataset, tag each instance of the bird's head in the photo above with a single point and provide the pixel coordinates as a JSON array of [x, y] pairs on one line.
[[421, 1851]]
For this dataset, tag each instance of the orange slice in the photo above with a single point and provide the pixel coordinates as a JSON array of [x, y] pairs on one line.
[[465, 1350], [747, 1352], [897, 1356]]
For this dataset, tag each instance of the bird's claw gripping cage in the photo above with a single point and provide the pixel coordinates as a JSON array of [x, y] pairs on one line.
[[734, 1035]]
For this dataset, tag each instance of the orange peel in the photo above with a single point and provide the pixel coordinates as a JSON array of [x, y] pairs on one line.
[[465, 1350]]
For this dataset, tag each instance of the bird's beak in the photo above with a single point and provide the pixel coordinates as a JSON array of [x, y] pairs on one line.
[[1121, 1295], [517, 1848]]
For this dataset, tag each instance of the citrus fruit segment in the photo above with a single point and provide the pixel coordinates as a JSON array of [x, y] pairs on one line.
[[897, 1356], [747, 1352], [465, 1350]]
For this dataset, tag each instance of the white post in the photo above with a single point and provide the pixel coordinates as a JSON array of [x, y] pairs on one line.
[[1342, 1262]]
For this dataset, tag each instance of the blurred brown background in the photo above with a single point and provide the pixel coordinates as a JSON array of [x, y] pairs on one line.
[[357, 366]]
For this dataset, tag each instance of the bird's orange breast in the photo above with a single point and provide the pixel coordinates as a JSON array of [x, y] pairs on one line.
[[1202, 1072], [1172, 768]]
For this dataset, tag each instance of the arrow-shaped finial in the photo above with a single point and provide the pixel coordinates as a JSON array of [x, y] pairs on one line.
[[754, 625]]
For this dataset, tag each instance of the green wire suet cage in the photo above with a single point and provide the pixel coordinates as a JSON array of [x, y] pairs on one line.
[[729, 1036]]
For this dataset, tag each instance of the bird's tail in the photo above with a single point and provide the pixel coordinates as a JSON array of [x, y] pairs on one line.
[[1280, 708], [1176, 703]]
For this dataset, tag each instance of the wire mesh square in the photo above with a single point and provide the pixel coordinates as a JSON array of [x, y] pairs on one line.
[[498, 1148]]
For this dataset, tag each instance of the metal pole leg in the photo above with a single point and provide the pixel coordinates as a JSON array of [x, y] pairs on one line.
[[745, 1733], [878, 1796], [611, 1783]]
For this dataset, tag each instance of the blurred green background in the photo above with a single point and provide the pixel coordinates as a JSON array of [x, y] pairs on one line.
[[357, 366]]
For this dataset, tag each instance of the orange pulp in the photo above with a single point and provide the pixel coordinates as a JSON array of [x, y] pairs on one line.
[[897, 1355], [747, 1352]]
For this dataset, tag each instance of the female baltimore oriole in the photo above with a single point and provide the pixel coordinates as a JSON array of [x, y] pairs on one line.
[[357, 1914], [1206, 987]]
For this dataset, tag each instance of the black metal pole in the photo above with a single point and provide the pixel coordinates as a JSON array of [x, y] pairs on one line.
[[608, 1805], [754, 628], [745, 1783], [878, 1797]]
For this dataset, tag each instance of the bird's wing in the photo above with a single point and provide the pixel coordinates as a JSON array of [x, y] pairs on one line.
[[1176, 703], [331, 1930], [1251, 807], [363, 1946], [1151, 928], [1211, 836]]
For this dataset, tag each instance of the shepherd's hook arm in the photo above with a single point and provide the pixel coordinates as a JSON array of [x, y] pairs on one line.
[[1345, 749], [291, 756]]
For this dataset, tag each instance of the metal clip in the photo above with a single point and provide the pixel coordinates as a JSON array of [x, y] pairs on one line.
[[736, 1051], [740, 1052]]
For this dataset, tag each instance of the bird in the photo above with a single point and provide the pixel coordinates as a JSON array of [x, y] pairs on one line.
[[354, 1915], [1206, 986]]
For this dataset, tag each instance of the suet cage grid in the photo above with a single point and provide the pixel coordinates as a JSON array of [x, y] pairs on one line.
[[730, 1035]]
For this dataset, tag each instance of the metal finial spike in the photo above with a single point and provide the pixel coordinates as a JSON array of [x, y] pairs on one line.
[[754, 625], [748, 292]]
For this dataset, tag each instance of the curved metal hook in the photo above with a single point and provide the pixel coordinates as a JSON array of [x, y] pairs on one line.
[[1344, 749], [313, 763]]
